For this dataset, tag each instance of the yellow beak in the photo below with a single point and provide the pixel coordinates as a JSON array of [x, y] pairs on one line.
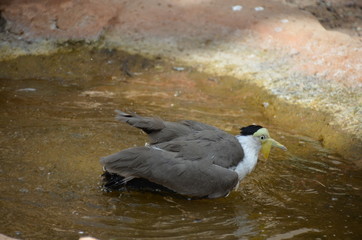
[[267, 144]]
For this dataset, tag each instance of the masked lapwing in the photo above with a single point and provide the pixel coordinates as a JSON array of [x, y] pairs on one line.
[[187, 157]]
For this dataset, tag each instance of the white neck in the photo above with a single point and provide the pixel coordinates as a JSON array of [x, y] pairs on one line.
[[251, 147]]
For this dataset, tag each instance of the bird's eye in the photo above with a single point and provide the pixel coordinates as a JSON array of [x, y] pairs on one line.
[[262, 137]]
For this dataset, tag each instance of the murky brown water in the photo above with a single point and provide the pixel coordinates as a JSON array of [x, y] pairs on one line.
[[57, 120]]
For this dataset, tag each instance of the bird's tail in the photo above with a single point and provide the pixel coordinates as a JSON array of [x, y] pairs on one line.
[[147, 124], [112, 182]]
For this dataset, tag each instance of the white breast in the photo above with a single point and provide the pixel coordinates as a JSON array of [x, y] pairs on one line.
[[251, 146]]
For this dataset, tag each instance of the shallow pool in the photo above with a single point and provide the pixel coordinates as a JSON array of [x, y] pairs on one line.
[[57, 120]]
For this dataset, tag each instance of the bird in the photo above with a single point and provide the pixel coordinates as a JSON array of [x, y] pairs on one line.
[[188, 158]]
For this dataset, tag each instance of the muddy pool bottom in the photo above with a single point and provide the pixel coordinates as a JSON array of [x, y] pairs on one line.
[[57, 120]]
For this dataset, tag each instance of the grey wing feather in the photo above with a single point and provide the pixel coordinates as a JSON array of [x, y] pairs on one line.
[[192, 178], [221, 147], [198, 126], [157, 129], [147, 124], [161, 131]]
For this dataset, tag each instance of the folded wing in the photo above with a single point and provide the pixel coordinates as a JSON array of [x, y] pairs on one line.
[[195, 178]]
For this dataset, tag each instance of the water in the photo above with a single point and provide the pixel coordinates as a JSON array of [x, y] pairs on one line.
[[57, 120]]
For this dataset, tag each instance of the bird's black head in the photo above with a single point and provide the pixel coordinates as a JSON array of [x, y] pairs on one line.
[[249, 130]]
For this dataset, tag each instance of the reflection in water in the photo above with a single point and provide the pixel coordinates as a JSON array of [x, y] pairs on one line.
[[152, 215], [57, 120]]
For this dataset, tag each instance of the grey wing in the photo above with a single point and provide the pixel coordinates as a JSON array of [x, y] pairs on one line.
[[162, 131], [147, 124], [222, 148], [198, 126], [157, 129], [198, 178]]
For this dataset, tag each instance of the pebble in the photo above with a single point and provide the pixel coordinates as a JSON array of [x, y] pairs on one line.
[[237, 8], [258, 9], [335, 162], [179, 69], [26, 90], [177, 93], [278, 29], [23, 190]]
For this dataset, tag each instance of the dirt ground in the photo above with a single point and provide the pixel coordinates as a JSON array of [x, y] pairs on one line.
[[339, 15]]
